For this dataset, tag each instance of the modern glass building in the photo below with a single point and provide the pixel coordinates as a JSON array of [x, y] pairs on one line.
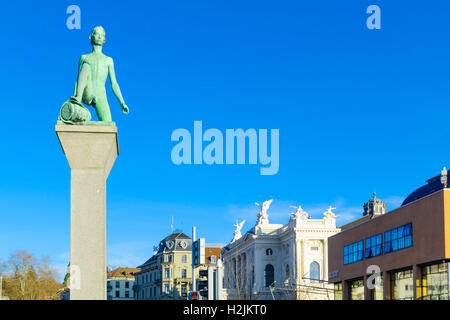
[[403, 254]]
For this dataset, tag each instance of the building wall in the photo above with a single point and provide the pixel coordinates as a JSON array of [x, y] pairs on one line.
[[447, 222], [291, 247], [430, 217], [428, 238], [122, 289], [152, 280]]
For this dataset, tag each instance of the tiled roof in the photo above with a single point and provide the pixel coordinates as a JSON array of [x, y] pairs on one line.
[[123, 272]]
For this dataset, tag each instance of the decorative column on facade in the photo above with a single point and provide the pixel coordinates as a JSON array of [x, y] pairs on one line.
[[325, 259], [298, 262], [245, 271], [234, 274]]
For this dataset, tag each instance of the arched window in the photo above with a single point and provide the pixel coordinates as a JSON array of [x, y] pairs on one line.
[[268, 275], [314, 271], [269, 252]]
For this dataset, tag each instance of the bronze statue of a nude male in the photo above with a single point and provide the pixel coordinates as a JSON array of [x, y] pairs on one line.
[[93, 69]]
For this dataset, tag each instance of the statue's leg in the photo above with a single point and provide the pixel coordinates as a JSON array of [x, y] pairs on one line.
[[84, 87], [102, 109]]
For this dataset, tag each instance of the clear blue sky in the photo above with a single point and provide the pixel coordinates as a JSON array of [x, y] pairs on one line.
[[358, 110]]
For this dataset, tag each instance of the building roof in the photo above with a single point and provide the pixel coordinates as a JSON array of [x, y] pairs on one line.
[[176, 241], [434, 184], [123, 272], [356, 222]]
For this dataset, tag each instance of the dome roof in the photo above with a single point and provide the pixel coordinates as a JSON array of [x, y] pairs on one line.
[[434, 184]]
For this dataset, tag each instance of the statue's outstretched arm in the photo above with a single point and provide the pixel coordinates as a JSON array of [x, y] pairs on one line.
[[115, 87]]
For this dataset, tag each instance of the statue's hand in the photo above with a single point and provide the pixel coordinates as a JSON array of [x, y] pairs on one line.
[[125, 109]]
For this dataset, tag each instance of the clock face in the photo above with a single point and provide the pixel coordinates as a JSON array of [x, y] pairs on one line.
[[183, 244]]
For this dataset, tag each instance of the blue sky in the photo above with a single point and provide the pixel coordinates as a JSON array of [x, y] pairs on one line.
[[358, 110]]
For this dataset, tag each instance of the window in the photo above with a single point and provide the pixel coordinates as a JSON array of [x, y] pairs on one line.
[[213, 259], [402, 285], [127, 284], [268, 275], [353, 252], [435, 280], [127, 294], [183, 258], [167, 288], [167, 272], [117, 294], [184, 290], [183, 273], [314, 271], [398, 238], [117, 284], [373, 246], [269, 252], [357, 289], [169, 259]]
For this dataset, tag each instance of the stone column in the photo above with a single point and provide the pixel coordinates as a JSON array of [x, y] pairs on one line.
[[325, 259], [345, 290], [367, 291], [417, 282], [91, 152], [387, 285]]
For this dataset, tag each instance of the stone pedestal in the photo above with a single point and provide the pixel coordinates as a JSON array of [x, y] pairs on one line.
[[91, 152]]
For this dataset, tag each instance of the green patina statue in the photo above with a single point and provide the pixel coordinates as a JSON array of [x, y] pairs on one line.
[[93, 69]]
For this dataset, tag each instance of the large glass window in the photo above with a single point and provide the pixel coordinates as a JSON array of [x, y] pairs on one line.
[[398, 238], [268, 275], [373, 246], [167, 273], [353, 252], [314, 271], [356, 289], [435, 281], [402, 285]]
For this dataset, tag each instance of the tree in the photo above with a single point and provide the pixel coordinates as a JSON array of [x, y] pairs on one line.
[[27, 278]]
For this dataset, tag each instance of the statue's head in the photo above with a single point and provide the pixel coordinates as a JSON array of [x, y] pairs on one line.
[[97, 36]]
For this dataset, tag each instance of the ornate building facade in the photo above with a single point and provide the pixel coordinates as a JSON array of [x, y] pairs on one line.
[[168, 273], [274, 261]]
